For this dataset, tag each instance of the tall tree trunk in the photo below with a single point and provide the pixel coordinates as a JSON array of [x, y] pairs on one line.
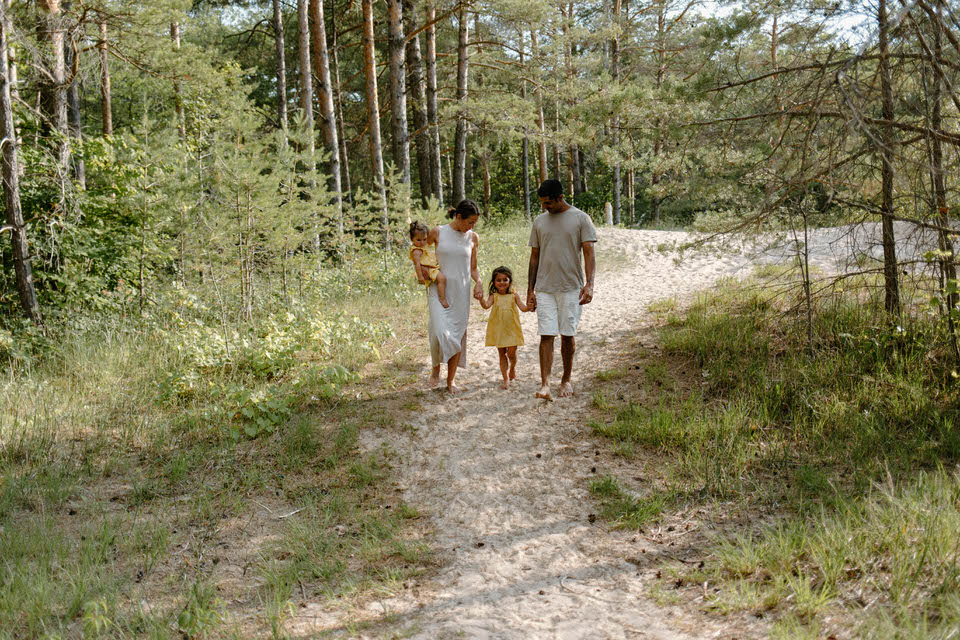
[[582, 163], [328, 120], [418, 103], [460, 139], [177, 96], [53, 92], [280, 48], [106, 106], [74, 119], [433, 117], [575, 163], [615, 125], [890, 277], [9, 167], [306, 82], [344, 158], [661, 58], [557, 167], [542, 142], [947, 265], [525, 147], [373, 114], [400, 138]]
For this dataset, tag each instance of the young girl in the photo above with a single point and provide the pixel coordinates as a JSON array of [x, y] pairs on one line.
[[424, 257], [503, 328]]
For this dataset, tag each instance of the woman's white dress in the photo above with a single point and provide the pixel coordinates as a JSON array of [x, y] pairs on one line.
[[448, 327]]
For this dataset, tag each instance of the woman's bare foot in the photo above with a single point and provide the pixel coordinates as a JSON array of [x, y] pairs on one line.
[[444, 303], [504, 385], [544, 392], [433, 380], [566, 389], [454, 389]]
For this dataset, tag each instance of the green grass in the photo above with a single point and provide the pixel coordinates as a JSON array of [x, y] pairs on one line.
[[843, 443], [624, 510], [147, 460]]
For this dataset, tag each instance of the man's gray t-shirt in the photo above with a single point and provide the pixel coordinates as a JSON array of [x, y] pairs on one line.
[[559, 236]]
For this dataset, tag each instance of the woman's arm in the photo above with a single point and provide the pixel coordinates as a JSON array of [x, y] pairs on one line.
[[474, 271], [519, 301]]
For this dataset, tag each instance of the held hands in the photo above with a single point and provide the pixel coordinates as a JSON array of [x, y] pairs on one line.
[[531, 300], [586, 294], [478, 292]]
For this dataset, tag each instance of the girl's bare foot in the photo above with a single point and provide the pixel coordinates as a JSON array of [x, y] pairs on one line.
[[566, 389], [504, 385], [513, 373], [544, 392]]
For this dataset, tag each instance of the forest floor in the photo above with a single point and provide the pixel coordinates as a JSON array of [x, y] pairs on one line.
[[504, 478]]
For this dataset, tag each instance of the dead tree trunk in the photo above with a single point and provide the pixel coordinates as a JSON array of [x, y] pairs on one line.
[[418, 103], [373, 115], [328, 120], [279, 47], [433, 118], [11, 183], [106, 106], [400, 138], [460, 139], [888, 137]]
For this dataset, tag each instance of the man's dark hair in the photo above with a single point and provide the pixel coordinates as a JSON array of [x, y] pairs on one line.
[[550, 189]]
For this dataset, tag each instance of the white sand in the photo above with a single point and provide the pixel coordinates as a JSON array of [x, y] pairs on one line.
[[520, 558]]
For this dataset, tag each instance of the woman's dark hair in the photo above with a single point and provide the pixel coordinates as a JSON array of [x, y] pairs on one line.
[[465, 209], [550, 189], [418, 227], [505, 271]]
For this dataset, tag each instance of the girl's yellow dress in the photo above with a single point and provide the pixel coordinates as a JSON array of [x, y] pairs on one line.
[[428, 260], [503, 328]]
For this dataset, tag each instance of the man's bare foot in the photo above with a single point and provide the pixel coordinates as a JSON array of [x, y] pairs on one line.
[[433, 381], [454, 389], [544, 392], [444, 303], [504, 385], [566, 389]]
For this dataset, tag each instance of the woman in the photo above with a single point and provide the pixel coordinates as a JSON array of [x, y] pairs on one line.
[[457, 255]]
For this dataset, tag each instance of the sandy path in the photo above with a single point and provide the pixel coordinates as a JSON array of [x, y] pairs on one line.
[[505, 478]]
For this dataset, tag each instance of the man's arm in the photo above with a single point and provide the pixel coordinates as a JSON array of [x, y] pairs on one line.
[[532, 277], [589, 267]]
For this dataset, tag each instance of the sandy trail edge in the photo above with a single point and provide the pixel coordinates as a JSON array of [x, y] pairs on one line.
[[505, 477]]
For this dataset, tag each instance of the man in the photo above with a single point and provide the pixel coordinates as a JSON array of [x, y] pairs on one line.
[[556, 286]]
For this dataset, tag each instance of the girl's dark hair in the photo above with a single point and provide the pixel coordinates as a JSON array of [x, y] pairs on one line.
[[465, 209], [418, 227], [505, 271]]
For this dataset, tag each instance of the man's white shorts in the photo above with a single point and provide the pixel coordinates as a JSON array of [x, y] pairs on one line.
[[558, 313]]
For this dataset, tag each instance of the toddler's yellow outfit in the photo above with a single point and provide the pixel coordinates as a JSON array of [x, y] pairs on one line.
[[503, 328], [428, 260]]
